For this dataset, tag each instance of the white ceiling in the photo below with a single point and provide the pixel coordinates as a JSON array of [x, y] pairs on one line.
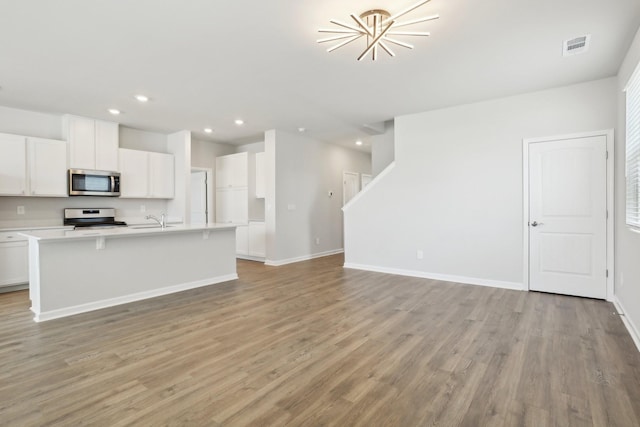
[[204, 63]]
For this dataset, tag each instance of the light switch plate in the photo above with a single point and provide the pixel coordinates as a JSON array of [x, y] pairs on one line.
[[20, 210]]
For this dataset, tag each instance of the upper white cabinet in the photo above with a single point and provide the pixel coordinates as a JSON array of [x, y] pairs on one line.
[[260, 176], [32, 166], [144, 174], [161, 175], [134, 173], [13, 165], [47, 167], [93, 144], [231, 171]]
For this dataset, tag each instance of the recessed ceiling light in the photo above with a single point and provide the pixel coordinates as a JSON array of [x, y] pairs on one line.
[[302, 130], [208, 130], [142, 98], [114, 111], [358, 142], [239, 122]]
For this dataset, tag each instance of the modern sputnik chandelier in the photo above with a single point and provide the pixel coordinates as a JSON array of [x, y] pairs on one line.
[[379, 27]]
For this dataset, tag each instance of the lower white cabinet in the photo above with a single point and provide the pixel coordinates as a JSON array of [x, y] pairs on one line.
[[250, 240], [257, 239], [242, 240], [14, 255], [144, 174]]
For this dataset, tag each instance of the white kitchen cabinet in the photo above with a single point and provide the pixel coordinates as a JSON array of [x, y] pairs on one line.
[[231, 171], [242, 240], [14, 266], [145, 174], [134, 173], [93, 144], [250, 240], [32, 166], [257, 239], [161, 176], [232, 205], [47, 167], [13, 165], [260, 176], [107, 143]]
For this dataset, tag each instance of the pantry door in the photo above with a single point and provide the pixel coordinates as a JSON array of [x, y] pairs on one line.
[[567, 220]]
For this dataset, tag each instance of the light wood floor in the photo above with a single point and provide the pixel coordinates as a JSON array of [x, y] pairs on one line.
[[314, 344]]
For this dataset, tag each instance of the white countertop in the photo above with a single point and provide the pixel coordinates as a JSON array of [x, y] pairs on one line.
[[50, 227], [131, 231]]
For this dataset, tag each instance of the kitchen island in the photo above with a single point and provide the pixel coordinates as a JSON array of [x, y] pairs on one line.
[[75, 271]]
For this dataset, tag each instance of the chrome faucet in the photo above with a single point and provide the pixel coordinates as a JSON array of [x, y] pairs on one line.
[[160, 221]]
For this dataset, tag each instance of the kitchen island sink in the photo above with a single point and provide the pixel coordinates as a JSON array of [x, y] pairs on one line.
[[74, 271]]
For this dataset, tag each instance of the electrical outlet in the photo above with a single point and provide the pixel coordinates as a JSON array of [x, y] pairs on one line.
[[291, 207], [143, 208], [317, 240], [419, 254], [20, 210]]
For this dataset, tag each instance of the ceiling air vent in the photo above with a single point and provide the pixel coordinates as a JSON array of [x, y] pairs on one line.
[[576, 45]]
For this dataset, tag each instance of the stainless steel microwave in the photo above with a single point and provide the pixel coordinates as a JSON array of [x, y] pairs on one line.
[[94, 183]]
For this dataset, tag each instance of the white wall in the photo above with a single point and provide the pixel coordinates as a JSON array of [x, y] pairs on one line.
[[456, 189], [382, 149], [30, 123], [627, 242], [299, 209], [136, 139]]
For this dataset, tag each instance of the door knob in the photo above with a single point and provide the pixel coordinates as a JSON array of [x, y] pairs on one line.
[[535, 223]]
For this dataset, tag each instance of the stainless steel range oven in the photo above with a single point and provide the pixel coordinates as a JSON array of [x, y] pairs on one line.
[[92, 217]]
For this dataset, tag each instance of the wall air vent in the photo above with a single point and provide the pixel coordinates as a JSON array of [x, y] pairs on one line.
[[576, 45]]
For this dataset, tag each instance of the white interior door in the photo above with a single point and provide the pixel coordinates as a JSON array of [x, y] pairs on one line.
[[198, 197], [350, 186], [568, 216]]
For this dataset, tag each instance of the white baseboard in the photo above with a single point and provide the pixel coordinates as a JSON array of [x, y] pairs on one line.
[[444, 277], [277, 263], [250, 257], [97, 305], [628, 323]]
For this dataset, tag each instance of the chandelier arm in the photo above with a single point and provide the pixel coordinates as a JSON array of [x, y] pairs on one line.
[[409, 33], [339, 31], [386, 48], [344, 36], [398, 42], [404, 12], [339, 45], [342, 24], [375, 41], [417, 21], [362, 25]]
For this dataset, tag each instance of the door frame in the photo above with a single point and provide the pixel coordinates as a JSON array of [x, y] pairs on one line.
[[526, 142], [210, 191], [344, 184]]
